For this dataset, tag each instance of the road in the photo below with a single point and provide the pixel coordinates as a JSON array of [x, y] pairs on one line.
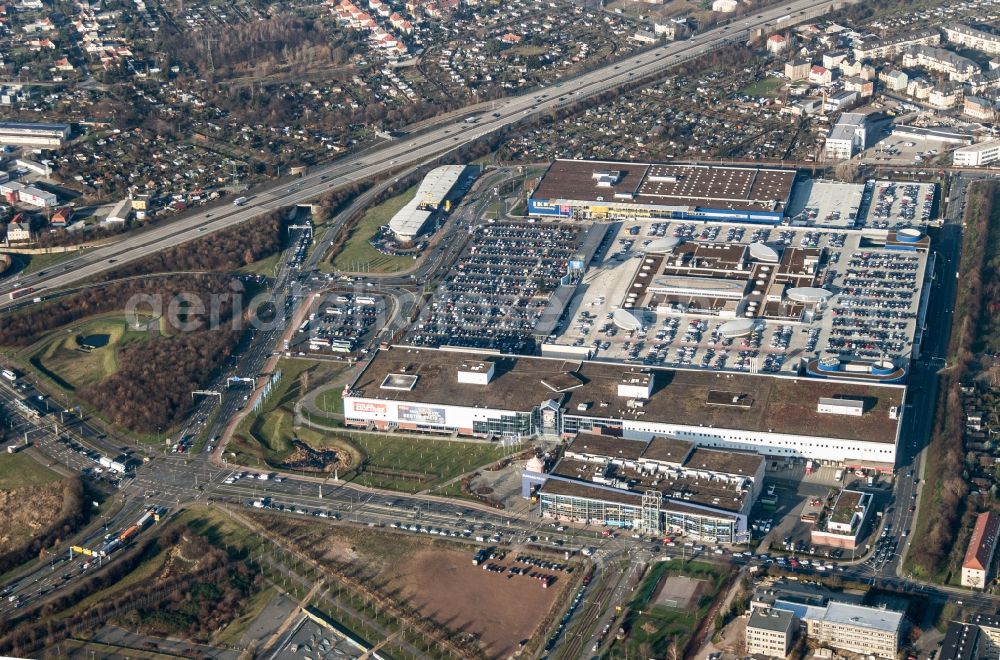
[[398, 154]]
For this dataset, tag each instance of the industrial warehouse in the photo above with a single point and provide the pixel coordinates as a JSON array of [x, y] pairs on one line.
[[664, 484], [432, 195], [600, 190], [855, 424]]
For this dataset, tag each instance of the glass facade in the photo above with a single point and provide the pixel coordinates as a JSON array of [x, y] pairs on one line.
[[576, 423], [613, 514], [507, 425]]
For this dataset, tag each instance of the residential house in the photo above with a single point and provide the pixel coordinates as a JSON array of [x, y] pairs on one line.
[[894, 80], [820, 75], [797, 69], [62, 217], [644, 37], [776, 43], [863, 88], [981, 550], [19, 230]]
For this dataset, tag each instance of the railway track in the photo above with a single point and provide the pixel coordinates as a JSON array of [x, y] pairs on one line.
[[589, 616]]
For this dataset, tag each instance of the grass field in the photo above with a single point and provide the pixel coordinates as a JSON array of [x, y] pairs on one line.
[[271, 426], [420, 462], [20, 469], [62, 361], [765, 87], [37, 262], [263, 266], [404, 463], [331, 401], [251, 610], [357, 250], [656, 629]]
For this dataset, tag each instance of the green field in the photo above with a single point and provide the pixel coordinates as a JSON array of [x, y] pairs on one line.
[[404, 463], [63, 362], [20, 469], [251, 610], [37, 262], [331, 401], [421, 462], [263, 266], [357, 250], [765, 87], [657, 629]]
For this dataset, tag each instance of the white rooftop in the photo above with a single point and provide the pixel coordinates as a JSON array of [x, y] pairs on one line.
[[870, 618], [433, 190]]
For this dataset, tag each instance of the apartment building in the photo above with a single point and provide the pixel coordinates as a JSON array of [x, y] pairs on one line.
[[957, 68], [894, 80], [876, 49], [980, 40], [979, 108], [975, 639], [19, 232], [797, 69], [981, 551], [846, 138]]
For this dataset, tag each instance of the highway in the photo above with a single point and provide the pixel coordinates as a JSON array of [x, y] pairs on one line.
[[399, 153]]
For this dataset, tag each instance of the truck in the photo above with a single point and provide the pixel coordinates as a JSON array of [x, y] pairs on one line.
[[128, 533], [110, 546], [240, 201], [9, 375], [19, 293]]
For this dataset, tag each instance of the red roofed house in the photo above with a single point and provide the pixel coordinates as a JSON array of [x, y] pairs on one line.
[[820, 75], [982, 548], [62, 217], [511, 38], [776, 43]]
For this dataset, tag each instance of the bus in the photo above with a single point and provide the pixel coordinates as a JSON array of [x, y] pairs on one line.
[[240, 201]]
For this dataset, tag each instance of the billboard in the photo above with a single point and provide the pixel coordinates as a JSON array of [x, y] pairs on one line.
[[421, 414], [365, 407]]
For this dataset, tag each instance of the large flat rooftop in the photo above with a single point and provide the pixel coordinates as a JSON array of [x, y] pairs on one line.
[[667, 185], [772, 404]]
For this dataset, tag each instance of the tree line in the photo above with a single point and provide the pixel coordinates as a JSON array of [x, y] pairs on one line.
[[152, 388], [213, 593], [229, 249], [27, 325], [946, 500]]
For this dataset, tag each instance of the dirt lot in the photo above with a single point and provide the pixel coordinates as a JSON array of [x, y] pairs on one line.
[[680, 592], [501, 611], [437, 577], [19, 522]]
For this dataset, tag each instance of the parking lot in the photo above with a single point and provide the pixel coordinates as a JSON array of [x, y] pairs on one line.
[[500, 287], [343, 322], [900, 205], [871, 313]]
